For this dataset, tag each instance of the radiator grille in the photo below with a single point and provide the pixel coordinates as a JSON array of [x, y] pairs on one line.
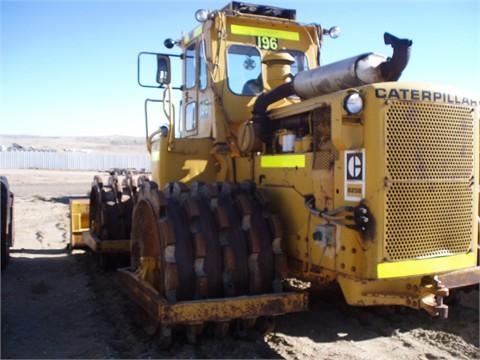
[[429, 141], [430, 162]]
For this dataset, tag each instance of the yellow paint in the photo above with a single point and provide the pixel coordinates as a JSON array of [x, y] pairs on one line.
[[282, 161], [79, 220], [425, 266], [146, 269], [257, 31], [194, 167]]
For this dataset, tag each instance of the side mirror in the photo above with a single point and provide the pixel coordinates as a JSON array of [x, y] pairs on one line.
[[154, 69], [163, 69]]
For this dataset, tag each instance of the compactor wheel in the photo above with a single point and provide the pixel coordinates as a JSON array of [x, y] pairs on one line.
[[111, 208], [145, 242], [179, 251], [267, 232], [232, 238], [207, 247], [267, 263], [127, 199], [208, 241], [95, 214]]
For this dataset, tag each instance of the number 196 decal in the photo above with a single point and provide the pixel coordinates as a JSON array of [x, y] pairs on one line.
[[267, 43]]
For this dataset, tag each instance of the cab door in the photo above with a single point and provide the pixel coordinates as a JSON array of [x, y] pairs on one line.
[[197, 98], [189, 123]]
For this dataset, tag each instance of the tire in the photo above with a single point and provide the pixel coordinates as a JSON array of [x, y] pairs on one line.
[[5, 254], [5, 243]]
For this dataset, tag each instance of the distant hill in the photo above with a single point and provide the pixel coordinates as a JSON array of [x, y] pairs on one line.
[[115, 143]]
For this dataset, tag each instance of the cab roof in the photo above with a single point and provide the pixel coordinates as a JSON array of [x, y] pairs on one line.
[[263, 10]]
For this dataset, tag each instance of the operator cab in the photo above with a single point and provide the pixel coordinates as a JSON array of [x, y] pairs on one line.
[[235, 54]]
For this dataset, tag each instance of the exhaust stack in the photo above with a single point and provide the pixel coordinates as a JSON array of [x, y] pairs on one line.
[[356, 71]]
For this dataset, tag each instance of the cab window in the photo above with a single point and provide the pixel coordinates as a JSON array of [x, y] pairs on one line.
[[191, 117], [202, 67], [244, 66], [190, 64], [301, 61]]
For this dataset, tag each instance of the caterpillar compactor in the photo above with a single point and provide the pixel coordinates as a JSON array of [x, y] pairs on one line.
[[272, 167]]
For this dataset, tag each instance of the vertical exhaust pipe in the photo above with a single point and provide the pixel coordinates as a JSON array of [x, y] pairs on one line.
[[392, 69]]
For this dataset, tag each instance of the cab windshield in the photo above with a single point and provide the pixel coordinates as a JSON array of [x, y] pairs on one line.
[[244, 66]]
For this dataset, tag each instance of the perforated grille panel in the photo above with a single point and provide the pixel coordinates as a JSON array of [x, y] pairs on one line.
[[429, 141], [430, 162]]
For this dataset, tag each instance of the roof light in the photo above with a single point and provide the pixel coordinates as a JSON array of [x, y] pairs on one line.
[[201, 15], [333, 32]]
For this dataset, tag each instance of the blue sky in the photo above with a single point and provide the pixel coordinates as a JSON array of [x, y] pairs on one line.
[[69, 67]]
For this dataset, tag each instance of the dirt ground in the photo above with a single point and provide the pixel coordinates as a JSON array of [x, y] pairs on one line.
[[60, 305]]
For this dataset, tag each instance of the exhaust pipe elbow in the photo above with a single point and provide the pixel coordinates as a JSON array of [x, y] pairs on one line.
[[393, 67]]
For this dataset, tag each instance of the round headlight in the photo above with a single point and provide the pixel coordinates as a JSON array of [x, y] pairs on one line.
[[334, 32], [353, 103], [201, 15]]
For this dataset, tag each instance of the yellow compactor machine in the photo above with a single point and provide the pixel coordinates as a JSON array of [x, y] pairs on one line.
[[275, 166]]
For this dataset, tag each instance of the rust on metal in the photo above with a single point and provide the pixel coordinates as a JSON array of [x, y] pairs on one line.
[[460, 278], [219, 309], [433, 304], [105, 246], [436, 288], [433, 292]]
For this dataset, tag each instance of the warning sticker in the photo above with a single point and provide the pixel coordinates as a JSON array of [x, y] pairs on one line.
[[354, 175]]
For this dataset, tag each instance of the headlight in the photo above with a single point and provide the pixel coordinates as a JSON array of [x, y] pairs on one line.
[[353, 103], [334, 32], [201, 15]]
